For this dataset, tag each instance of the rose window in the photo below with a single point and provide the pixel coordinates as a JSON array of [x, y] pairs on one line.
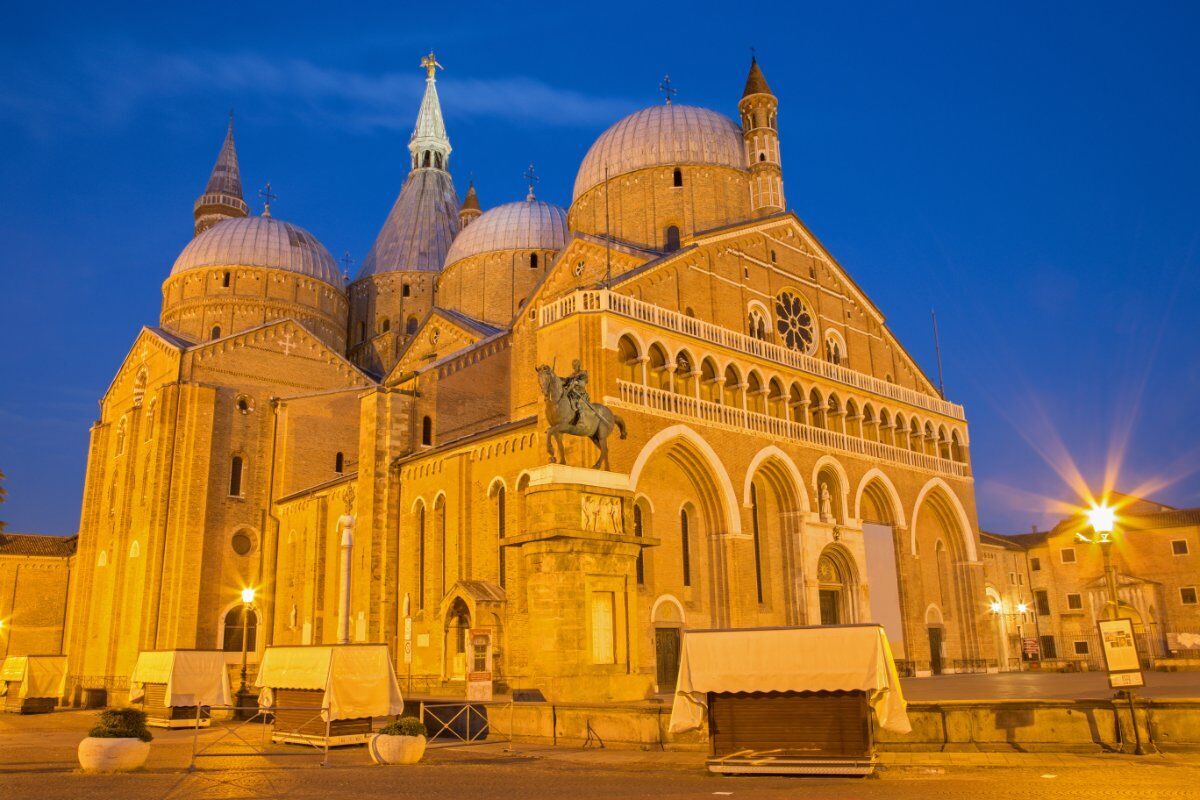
[[794, 322]]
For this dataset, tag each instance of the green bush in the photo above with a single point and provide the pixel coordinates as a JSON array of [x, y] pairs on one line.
[[122, 723], [405, 726]]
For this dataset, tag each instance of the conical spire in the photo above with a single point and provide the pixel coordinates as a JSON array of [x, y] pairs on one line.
[[756, 82], [430, 146], [470, 208], [222, 196]]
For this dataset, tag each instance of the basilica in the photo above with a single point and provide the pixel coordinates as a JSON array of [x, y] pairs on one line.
[[371, 455]]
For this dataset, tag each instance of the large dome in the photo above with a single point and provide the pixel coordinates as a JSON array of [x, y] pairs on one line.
[[259, 242], [660, 135], [524, 225]]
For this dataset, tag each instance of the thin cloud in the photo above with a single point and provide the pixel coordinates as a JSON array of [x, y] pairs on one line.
[[109, 88]]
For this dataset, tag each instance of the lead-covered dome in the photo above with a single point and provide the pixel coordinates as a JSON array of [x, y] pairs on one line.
[[259, 242], [523, 225], [660, 135]]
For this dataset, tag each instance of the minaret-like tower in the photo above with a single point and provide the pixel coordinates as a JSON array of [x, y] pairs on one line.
[[395, 288], [470, 210], [222, 196], [760, 130]]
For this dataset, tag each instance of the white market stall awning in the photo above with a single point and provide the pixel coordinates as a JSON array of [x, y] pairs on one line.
[[357, 679], [192, 677], [38, 676], [810, 659]]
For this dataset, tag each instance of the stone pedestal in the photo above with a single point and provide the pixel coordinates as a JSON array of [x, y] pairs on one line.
[[580, 556]]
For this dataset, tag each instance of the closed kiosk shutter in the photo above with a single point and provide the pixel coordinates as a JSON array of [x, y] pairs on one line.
[[790, 724]]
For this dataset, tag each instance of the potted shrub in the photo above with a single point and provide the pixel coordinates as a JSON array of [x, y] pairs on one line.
[[119, 743], [401, 742]]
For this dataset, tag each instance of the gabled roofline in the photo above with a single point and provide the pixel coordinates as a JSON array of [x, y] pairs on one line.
[[203, 345], [172, 341], [485, 331], [317, 487]]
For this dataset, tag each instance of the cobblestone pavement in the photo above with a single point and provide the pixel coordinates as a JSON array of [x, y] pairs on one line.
[[37, 760], [1044, 686]]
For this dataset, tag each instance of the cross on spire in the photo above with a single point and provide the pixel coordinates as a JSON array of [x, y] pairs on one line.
[[267, 197], [347, 263], [531, 178], [667, 89], [431, 65]]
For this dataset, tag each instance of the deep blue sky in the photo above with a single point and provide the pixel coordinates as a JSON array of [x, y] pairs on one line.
[[1031, 173]]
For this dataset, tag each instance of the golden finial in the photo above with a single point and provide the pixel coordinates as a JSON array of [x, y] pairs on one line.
[[431, 65]]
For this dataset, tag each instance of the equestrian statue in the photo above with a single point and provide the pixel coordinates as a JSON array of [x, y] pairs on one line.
[[570, 411]]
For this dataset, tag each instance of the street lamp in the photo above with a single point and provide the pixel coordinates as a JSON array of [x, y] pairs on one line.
[[247, 605], [1103, 521]]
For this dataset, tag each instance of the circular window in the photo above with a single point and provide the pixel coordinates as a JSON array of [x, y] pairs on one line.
[[241, 543], [794, 322], [243, 404]]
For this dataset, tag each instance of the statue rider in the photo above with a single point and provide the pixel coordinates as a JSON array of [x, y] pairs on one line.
[[575, 387]]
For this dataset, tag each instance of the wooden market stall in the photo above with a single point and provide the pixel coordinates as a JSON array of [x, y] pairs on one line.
[[789, 700], [327, 694], [177, 687], [32, 684]]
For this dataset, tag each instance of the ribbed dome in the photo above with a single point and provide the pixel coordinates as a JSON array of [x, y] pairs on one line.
[[259, 242], [659, 135], [524, 225], [418, 229]]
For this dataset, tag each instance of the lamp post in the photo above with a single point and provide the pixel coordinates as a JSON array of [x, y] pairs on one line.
[[247, 606], [1103, 521]]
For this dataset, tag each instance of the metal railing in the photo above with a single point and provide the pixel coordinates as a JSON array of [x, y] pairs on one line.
[[597, 300], [465, 722], [264, 717], [639, 397]]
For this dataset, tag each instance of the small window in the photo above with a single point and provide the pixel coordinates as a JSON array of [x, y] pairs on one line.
[[1074, 601], [772, 256], [1048, 648], [362, 331], [672, 239], [1042, 600], [1179, 547], [385, 325], [1067, 554], [235, 476], [427, 155], [235, 631], [339, 463], [1187, 595], [762, 156], [410, 327], [1035, 564], [215, 333], [243, 404], [1081, 648], [241, 543], [1012, 577], [405, 290], [677, 179], [225, 280], [427, 431], [533, 261], [685, 547], [638, 530]]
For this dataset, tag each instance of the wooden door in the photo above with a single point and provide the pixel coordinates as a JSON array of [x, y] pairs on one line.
[[666, 657], [831, 611], [935, 651]]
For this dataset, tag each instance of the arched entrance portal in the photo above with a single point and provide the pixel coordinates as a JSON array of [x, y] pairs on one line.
[[838, 587], [458, 625]]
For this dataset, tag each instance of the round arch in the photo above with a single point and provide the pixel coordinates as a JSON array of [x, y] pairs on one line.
[[889, 490], [671, 601], [956, 509], [843, 480], [674, 435]]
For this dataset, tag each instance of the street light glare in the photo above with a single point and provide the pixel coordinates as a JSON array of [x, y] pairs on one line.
[[996, 608], [247, 596], [1102, 518]]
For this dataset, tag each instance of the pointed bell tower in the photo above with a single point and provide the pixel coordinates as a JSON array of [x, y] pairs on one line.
[[222, 196], [429, 145], [760, 131], [470, 210]]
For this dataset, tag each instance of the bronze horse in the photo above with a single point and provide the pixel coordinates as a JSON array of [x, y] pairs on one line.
[[596, 421]]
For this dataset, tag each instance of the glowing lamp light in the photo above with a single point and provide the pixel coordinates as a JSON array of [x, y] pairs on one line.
[[1022, 608], [247, 596], [996, 608], [1102, 518]]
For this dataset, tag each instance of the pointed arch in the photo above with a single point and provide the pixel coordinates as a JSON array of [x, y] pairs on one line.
[[686, 447], [771, 452], [938, 490], [874, 478]]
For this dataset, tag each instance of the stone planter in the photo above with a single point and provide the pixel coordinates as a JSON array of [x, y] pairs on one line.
[[396, 749], [112, 755]]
